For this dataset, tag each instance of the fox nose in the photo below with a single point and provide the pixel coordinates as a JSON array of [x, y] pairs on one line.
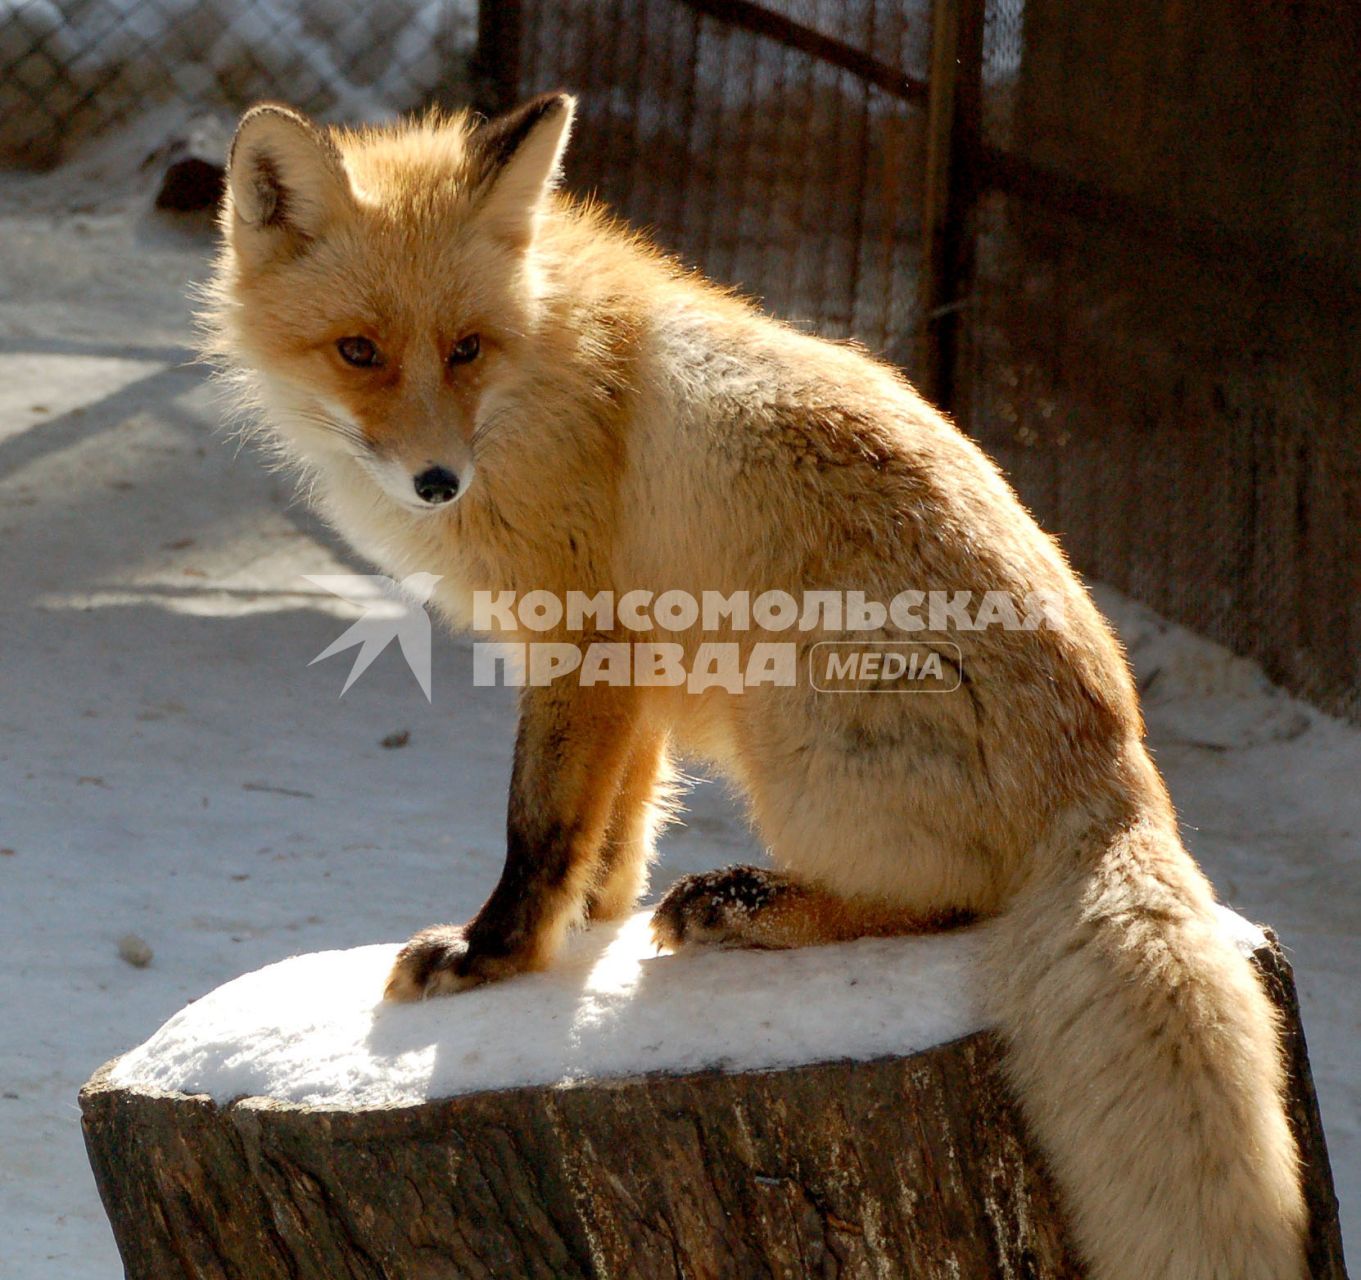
[[436, 485]]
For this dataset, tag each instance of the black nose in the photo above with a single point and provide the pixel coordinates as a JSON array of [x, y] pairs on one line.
[[435, 485]]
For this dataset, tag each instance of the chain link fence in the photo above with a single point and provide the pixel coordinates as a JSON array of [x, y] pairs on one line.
[[70, 68], [1159, 340], [779, 146]]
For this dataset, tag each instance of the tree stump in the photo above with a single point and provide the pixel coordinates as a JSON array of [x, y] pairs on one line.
[[620, 1116]]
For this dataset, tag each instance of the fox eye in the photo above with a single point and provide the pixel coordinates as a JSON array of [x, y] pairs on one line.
[[360, 352], [465, 350]]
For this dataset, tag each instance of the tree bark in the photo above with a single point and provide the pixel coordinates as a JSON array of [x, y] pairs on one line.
[[903, 1167]]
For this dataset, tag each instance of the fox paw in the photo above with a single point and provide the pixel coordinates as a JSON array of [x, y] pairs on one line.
[[438, 962], [717, 908]]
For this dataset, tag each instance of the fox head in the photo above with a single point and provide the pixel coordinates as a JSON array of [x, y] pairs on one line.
[[374, 284]]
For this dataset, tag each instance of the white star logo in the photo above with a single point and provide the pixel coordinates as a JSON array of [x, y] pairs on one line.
[[392, 611]]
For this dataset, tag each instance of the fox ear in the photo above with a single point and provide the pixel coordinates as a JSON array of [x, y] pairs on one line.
[[517, 161], [287, 181]]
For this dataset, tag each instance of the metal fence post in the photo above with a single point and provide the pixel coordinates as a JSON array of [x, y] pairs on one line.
[[954, 117], [496, 64]]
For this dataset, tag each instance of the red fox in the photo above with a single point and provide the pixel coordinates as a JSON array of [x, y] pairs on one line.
[[483, 378]]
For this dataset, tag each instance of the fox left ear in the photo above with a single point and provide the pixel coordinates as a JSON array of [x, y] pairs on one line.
[[287, 181], [517, 161]]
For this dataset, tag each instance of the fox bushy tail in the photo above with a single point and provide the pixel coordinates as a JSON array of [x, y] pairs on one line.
[[1146, 1057]]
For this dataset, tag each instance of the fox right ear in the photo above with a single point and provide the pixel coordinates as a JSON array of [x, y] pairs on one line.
[[286, 178], [518, 159]]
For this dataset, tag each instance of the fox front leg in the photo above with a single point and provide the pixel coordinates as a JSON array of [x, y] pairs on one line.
[[642, 806], [571, 753]]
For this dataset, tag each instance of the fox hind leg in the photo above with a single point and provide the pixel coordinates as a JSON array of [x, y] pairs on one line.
[[746, 906]]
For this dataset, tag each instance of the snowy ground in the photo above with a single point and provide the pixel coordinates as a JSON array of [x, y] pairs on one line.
[[171, 767]]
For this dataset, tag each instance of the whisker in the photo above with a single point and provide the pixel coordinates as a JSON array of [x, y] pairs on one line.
[[326, 422], [487, 429]]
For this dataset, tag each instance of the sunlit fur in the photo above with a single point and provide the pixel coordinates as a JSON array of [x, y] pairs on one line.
[[633, 426]]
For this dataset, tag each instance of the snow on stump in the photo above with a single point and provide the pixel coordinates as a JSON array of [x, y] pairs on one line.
[[831, 1111]]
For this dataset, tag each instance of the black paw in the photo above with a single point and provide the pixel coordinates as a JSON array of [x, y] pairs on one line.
[[438, 962], [715, 908]]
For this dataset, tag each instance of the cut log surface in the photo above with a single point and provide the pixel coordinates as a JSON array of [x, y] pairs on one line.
[[838, 1111]]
